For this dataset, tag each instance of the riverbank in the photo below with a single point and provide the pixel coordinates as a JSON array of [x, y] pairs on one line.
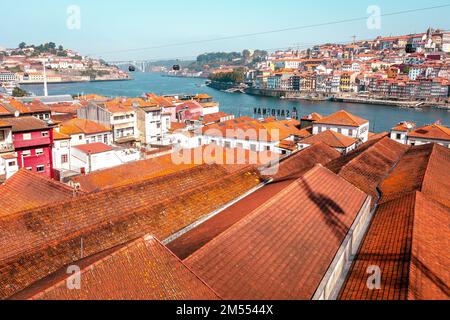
[[293, 95], [382, 118], [69, 82]]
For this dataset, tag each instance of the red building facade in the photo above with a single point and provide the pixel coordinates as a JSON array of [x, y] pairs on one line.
[[33, 140]]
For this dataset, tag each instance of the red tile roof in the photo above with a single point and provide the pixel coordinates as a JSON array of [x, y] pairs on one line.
[[39, 242], [423, 168], [25, 124], [434, 132], [282, 254], [342, 118], [94, 148], [289, 170], [156, 167], [332, 139], [27, 190], [367, 166], [82, 126], [142, 270], [408, 241]]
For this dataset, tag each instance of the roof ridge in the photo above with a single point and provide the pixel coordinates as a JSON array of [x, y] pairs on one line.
[[425, 175], [40, 177]]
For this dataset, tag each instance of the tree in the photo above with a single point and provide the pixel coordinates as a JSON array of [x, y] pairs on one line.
[[61, 48], [18, 92], [22, 45]]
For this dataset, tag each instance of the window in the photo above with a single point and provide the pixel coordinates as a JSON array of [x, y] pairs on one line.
[[12, 164], [105, 139], [40, 169], [45, 134], [350, 132], [27, 136], [80, 137], [339, 130], [253, 147], [39, 152], [399, 136], [228, 145], [29, 168], [64, 158], [2, 135], [26, 153]]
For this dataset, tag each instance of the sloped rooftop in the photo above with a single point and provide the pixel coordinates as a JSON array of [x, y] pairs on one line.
[[282, 254], [37, 243], [142, 270]]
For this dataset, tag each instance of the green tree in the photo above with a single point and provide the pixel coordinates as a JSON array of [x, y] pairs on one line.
[[18, 92], [22, 45]]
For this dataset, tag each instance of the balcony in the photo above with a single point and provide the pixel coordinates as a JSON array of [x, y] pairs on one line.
[[6, 147]]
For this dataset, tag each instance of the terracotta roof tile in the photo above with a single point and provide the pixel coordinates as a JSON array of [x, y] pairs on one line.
[[94, 148], [367, 166], [289, 170], [77, 126], [435, 132], [39, 242], [142, 270], [282, 254], [423, 168], [343, 118], [24, 124], [27, 190], [332, 139], [140, 171], [405, 240]]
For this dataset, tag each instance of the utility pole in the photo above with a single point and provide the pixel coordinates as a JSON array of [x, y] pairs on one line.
[[45, 79], [354, 39]]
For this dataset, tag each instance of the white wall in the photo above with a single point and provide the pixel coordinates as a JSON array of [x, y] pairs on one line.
[[60, 148]]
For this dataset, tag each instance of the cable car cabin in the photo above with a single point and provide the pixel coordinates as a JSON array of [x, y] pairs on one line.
[[132, 68], [176, 67]]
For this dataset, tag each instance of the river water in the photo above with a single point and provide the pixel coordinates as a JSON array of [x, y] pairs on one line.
[[382, 118]]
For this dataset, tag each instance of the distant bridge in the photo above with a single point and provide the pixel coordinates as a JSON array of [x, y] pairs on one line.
[[140, 65]]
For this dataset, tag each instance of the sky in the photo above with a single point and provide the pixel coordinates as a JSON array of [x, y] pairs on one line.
[[112, 29]]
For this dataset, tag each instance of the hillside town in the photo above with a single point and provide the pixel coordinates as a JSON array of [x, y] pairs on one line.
[[407, 71], [34, 64]]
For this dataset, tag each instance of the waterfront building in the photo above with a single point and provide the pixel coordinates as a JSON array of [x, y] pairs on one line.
[[344, 123], [400, 132], [435, 133]]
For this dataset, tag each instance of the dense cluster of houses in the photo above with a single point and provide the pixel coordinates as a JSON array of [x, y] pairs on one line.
[[61, 137], [23, 66], [409, 67]]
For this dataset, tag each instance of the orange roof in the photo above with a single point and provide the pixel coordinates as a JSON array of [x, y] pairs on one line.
[[60, 136], [42, 241], [331, 138], [313, 117], [27, 190], [117, 107], [423, 168], [367, 166], [4, 124], [142, 270], [275, 254], [94, 148], [408, 241], [343, 118], [82, 126], [203, 96], [434, 132]]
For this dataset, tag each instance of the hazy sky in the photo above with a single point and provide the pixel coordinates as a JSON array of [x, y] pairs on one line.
[[108, 25]]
